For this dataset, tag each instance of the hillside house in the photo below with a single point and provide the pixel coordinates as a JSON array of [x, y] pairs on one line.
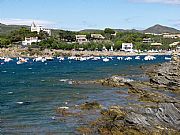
[[36, 28], [127, 47], [175, 45], [97, 36], [147, 40], [81, 39], [30, 40]]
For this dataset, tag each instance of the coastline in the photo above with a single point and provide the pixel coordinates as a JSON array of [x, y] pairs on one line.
[[17, 52]]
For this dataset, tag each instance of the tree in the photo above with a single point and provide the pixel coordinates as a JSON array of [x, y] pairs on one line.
[[109, 31], [118, 45], [4, 42]]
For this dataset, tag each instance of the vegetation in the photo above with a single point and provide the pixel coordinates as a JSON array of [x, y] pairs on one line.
[[66, 40]]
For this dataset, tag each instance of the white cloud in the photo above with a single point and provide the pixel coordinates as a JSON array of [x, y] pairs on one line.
[[13, 21], [176, 2]]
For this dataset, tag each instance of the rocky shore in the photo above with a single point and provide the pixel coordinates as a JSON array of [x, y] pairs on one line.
[[25, 52], [156, 107]]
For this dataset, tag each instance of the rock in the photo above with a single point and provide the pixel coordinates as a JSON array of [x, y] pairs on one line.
[[166, 74], [65, 112], [114, 112], [90, 105], [84, 130], [147, 94], [115, 81]]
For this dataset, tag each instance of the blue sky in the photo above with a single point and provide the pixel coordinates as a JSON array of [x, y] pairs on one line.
[[89, 14]]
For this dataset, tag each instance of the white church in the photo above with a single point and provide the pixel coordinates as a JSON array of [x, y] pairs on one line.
[[36, 28]]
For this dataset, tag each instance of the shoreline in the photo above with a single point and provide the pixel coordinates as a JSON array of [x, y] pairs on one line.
[[15, 52]]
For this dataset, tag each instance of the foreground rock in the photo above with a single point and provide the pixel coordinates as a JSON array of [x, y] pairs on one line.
[[166, 74], [153, 113], [114, 81], [164, 119], [90, 106]]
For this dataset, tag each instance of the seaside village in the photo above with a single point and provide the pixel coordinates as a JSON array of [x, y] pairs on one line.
[[126, 48]]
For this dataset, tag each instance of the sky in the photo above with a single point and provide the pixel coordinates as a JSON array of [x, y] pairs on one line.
[[91, 14]]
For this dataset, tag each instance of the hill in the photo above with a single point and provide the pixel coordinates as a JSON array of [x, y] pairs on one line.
[[158, 29], [91, 31], [5, 29]]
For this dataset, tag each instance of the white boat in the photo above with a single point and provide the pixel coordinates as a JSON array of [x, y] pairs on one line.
[[83, 59], [120, 58], [60, 58], [148, 57], [105, 59], [96, 58], [21, 61], [137, 58], [128, 58], [72, 58], [43, 60], [37, 59], [7, 59], [167, 58], [2, 58], [49, 58]]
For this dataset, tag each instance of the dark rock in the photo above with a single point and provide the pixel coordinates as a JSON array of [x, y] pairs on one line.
[[115, 81], [166, 74], [84, 130], [90, 105]]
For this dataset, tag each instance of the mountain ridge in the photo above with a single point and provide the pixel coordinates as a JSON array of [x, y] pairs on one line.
[[158, 29]]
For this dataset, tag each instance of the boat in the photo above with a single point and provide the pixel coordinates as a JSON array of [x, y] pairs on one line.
[[128, 58], [137, 58], [60, 58], [49, 58], [41, 59], [105, 59], [83, 59], [148, 57], [7, 59], [21, 61], [96, 58], [120, 58], [167, 58]]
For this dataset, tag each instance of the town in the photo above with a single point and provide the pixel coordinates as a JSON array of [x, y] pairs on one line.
[[107, 40]]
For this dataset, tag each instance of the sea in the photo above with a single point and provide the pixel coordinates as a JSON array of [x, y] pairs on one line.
[[30, 93]]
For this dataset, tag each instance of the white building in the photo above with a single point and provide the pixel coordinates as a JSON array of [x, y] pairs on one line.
[[176, 44], [30, 40], [155, 34], [35, 28], [97, 36], [147, 40], [156, 44], [81, 39], [166, 35], [127, 47]]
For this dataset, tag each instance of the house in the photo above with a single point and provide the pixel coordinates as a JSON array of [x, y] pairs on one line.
[[147, 40], [175, 45], [97, 36], [169, 36], [30, 40], [127, 47], [154, 34], [114, 34], [36, 28], [156, 44], [81, 39], [173, 36]]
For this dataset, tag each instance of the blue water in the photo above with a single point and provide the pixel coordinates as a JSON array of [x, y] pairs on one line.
[[31, 92]]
